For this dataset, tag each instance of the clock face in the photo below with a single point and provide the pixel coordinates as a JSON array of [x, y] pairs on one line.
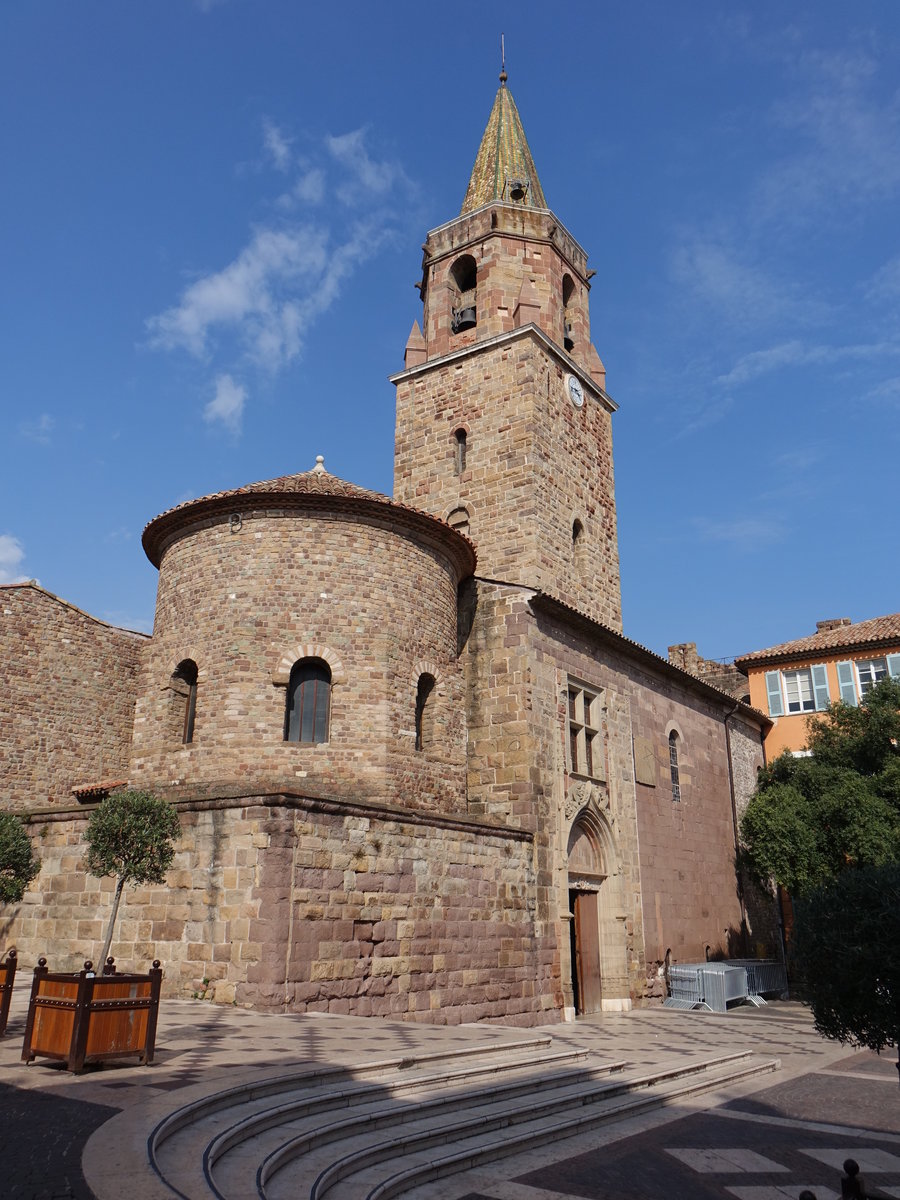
[[576, 391]]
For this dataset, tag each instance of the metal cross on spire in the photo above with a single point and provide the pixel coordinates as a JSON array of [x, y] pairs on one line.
[[503, 75]]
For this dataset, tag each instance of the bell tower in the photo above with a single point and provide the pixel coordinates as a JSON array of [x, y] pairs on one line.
[[503, 421]]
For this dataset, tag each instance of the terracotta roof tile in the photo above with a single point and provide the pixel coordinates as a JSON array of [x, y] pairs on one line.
[[875, 632], [318, 485]]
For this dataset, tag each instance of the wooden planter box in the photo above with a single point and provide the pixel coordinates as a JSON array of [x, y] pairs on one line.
[[88, 1018], [7, 977]]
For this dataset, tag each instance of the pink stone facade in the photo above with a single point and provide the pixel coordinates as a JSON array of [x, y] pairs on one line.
[[69, 688], [438, 869]]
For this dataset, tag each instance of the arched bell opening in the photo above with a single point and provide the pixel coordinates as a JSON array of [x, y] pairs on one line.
[[463, 287], [568, 294]]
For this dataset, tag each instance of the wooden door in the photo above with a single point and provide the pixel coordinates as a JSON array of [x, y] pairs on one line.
[[587, 951]]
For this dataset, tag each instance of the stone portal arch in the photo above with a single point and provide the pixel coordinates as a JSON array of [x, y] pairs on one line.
[[597, 917]]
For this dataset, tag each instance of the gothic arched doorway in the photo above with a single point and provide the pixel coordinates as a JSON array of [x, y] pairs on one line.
[[586, 876]]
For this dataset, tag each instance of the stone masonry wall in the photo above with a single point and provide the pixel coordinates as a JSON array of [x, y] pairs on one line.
[[69, 687], [534, 465], [283, 903], [376, 605], [510, 244]]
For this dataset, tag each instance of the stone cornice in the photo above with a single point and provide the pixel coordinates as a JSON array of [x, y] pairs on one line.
[[504, 339]]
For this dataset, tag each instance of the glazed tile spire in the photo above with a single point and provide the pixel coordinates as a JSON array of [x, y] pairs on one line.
[[504, 169]]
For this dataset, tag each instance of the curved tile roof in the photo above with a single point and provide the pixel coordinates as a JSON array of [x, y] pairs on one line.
[[315, 488], [875, 632]]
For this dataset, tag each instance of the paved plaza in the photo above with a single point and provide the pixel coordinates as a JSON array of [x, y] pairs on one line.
[[762, 1139]]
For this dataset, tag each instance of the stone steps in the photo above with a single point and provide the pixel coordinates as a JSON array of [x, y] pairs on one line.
[[184, 1145], [381, 1130]]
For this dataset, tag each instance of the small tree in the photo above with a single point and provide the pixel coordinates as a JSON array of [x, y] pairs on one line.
[[846, 952], [18, 864], [130, 835]]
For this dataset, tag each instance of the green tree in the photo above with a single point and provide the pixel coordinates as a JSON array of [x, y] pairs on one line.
[[811, 818], [130, 835], [846, 956], [18, 863]]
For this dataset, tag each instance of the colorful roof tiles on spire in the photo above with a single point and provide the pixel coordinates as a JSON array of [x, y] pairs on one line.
[[504, 169]]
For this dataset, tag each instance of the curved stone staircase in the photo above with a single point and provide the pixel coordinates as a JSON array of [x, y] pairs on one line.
[[379, 1130]]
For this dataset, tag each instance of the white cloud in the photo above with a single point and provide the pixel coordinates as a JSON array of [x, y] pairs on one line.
[[39, 430], [375, 178], [257, 310], [713, 268], [849, 151], [249, 293], [277, 145], [885, 283], [227, 405], [798, 354], [12, 552]]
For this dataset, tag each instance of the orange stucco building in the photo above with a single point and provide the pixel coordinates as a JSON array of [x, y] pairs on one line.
[[795, 680]]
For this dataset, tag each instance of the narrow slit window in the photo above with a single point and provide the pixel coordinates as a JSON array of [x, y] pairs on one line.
[[673, 766], [184, 684], [424, 711], [461, 447]]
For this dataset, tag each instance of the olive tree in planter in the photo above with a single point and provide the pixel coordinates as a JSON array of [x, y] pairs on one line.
[[18, 864], [130, 835]]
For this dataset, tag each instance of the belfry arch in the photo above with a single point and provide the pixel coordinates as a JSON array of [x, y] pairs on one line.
[[598, 978]]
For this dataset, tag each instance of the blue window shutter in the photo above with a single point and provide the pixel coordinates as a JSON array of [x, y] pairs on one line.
[[820, 686], [893, 666], [773, 687], [847, 682]]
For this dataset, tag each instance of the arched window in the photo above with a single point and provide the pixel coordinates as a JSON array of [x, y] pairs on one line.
[[459, 519], [673, 765], [579, 546], [424, 711], [568, 291], [463, 279], [460, 440], [308, 701], [184, 685]]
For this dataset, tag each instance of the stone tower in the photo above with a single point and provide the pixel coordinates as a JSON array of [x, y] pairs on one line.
[[503, 423]]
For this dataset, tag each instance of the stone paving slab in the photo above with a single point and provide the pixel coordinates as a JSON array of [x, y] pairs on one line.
[[201, 1048]]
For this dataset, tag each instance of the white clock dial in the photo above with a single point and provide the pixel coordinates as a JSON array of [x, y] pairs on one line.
[[576, 391]]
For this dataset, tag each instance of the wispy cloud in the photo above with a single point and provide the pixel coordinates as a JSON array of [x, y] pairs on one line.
[[885, 283], [227, 406], [277, 145], [744, 533], [12, 553], [40, 430], [733, 285], [254, 293], [798, 354], [370, 178], [290, 272], [849, 137]]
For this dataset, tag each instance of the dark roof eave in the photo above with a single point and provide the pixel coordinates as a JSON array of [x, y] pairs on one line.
[[542, 601]]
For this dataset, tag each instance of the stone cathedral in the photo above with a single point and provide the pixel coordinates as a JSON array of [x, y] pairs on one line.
[[419, 769]]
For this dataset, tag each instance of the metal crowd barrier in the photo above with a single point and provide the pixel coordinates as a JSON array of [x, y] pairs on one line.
[[715, 985]]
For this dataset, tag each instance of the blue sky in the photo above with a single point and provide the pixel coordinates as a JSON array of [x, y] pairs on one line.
[[210, 227]]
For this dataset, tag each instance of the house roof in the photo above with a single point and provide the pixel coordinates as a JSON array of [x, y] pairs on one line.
[[503, 159], [832, 637], [316, 489]]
